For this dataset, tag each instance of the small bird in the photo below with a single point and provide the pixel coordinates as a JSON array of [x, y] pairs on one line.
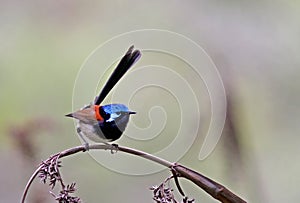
[[106, 123]]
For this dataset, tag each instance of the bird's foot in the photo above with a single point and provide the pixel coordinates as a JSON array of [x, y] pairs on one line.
[[114, 148]]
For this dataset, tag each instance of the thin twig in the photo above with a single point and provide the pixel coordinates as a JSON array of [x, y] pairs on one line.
[[175, 175], [36, 172]]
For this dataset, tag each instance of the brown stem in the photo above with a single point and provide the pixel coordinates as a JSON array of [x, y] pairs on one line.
[[213, 188]]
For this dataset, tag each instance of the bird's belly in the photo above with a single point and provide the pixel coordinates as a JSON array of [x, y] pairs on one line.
[[92, 132]]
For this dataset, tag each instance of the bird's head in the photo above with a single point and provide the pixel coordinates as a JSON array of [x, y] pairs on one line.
[[106, 113], [118, 113]]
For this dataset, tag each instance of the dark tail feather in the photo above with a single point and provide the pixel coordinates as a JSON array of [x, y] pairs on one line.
[[126, 62]]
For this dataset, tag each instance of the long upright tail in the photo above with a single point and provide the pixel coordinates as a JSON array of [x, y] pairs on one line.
[[126, 62]]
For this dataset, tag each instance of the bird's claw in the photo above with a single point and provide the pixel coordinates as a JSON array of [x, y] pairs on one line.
[[114, 148]]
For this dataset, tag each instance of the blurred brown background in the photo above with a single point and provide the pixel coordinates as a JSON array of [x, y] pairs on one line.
[[254, 44]]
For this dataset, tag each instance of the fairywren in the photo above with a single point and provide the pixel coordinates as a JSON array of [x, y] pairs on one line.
[[106, 123]]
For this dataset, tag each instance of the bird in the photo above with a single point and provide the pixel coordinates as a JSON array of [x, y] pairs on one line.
[[106, 123]]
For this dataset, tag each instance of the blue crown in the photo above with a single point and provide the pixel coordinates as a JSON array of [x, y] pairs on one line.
[[113, 108]]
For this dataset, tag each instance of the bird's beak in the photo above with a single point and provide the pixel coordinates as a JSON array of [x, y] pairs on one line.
[[132, 112], [69, 115]]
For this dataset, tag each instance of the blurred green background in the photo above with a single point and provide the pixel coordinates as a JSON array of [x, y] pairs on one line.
[[255, 45]]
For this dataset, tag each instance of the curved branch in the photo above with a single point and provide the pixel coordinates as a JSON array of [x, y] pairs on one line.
[[213, 188]]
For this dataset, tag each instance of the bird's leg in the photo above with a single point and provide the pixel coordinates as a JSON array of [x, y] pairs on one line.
[[86, 144]]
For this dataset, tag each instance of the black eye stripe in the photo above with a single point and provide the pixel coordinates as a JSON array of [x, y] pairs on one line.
[[103, 113]]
